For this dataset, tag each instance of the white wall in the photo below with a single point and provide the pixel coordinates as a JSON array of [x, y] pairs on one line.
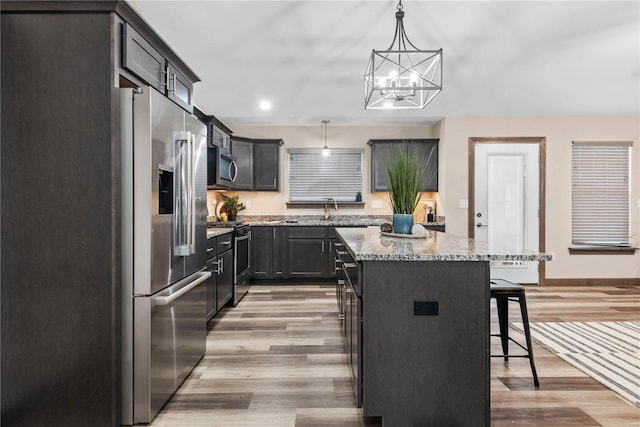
[[559, 133]]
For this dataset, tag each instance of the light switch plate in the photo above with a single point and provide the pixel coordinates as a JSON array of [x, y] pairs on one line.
[[463, 203], [247, 204], [638, 203], [376, 204]]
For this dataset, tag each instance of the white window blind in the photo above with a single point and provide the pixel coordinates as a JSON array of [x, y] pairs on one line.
[[601, 193], [313, 177]]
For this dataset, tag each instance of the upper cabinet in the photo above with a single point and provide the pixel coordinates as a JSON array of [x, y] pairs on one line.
[[383, 150], [142, 59], [242, 150], [220, 134], [149, 65], [266, 164], [258, 163], [179, 88]]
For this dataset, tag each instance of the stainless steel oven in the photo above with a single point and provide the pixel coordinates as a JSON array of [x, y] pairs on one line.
[[241, 261]]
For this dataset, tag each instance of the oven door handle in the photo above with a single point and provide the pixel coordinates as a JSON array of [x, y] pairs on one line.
[[245, 237]]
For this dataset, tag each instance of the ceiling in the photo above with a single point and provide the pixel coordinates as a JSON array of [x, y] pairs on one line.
[[501, 58]]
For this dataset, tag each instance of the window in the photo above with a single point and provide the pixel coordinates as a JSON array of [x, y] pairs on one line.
[[313, 177], [600, 195]]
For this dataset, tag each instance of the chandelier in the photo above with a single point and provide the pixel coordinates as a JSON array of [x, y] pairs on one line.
[[401, 77]]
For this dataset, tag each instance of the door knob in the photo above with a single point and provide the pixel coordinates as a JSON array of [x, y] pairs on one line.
[[480, 225]]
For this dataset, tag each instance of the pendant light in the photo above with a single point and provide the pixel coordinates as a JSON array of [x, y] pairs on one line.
[[402, 76], [325, 150]]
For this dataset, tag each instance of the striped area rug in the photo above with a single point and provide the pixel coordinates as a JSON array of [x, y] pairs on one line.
[[607, 351]]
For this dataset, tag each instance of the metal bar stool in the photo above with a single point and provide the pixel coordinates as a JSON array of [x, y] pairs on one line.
[[504, 291]]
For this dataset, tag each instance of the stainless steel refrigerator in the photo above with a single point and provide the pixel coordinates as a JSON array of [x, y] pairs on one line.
[[163, 251]]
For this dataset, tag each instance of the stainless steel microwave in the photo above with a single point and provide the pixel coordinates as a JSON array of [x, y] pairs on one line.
[[222, 169]]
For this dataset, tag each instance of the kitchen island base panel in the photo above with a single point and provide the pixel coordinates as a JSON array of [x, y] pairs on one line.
[[426, 369]]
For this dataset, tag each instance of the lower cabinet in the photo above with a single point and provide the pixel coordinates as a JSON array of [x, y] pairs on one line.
[[220, 264], [224, 278], [280, 252], [268, 252], [350, 313], [307, 256]]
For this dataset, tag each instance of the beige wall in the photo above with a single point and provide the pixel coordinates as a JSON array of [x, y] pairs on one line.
[[454, 134], [559, 132], [270, 203]]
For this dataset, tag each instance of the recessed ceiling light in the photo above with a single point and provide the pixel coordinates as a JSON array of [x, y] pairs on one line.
[[265, 105]]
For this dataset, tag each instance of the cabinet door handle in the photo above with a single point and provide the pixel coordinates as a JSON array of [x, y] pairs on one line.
[[323, 246], [225, 243], [274, 183]]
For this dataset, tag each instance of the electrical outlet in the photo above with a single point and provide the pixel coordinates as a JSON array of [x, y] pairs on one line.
[[376, 204], [248, 204]]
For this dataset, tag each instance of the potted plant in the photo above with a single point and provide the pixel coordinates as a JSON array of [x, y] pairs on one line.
[[359, 196], [232, 205], [404, 178]]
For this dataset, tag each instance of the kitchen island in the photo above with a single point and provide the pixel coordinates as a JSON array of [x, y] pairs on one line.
[[417, 325]]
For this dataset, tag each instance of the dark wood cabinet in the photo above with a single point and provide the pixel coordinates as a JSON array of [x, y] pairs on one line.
[[179, 88], [307, 258], [308, 252], [258, 163], [350, 306], [269, 252], [220, 263], [224, 279], [293, 252], [381, 154], [142, 59], [212, 266], [383, 150], [220, 134], [148, 64], [266, 165], [62, 64], [242, 150]]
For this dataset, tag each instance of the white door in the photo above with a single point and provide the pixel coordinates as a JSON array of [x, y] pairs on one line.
[[506, 205]]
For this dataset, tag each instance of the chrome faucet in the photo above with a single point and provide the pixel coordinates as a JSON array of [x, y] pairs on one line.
[[327, 208]]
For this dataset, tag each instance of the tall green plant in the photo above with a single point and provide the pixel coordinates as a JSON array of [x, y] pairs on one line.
[[403, 178]]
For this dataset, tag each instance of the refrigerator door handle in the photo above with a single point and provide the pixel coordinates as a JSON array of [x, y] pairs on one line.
[[170, 298], [182, 230], [192, 196]]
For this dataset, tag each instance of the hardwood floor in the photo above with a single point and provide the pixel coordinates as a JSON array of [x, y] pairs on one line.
[[277, 360]]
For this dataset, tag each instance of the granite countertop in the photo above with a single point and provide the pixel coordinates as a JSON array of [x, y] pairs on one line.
[[318, 220], [213, 232], [366, 244]]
